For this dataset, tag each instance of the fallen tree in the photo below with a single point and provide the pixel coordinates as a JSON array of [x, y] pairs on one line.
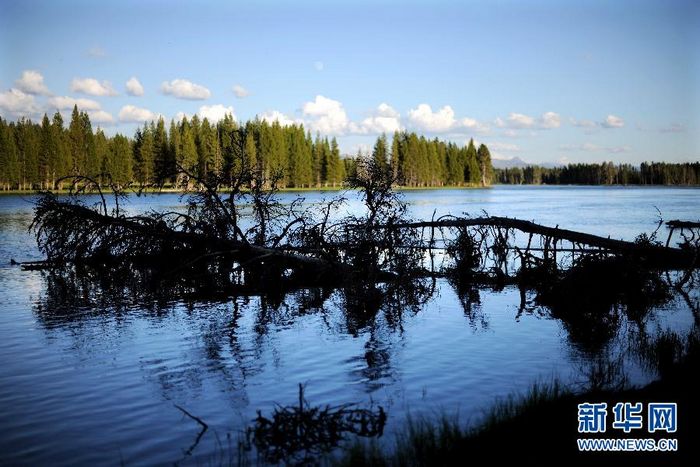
[[235, 237]]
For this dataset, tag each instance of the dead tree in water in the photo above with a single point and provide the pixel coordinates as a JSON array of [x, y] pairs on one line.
[[234, 228]]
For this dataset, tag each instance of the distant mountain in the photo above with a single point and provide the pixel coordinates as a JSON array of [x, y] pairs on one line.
[[509, 163]]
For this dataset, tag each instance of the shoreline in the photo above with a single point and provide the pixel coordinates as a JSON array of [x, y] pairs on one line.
[[339, 188]]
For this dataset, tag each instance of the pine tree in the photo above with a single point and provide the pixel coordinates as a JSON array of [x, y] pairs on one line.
[[144, 150], [102, 154], [161, 153], [77, 143], [9, 157], [472, 172], [92, 164], [484, 158], [396, 157], [46, 153], [336, 166], [379, 153]]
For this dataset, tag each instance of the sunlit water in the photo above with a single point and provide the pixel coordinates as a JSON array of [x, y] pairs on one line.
[[97, 384]]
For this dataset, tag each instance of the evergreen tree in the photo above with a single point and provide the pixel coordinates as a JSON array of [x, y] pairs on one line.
[[101, 154], [484, 158], [379, 152], [161, 152], [472, 172], [144, 152], [396, 160], [47, 154], [9, 157], [335, 166]]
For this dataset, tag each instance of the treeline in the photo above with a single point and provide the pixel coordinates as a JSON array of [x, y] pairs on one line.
[[606, 173], [38, 156], [420, 162]]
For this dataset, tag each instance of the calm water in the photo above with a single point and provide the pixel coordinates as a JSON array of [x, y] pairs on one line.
[[92, 382]]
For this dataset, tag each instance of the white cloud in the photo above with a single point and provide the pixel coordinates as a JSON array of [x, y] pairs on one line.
[[277, 116], [18, 103], [520, 121], [550, 120], [184, 89], [131, 113], [498, 146], [516, 120], [318, 65], [32, 82], [67, 103], [97, 52], [385, 119], [424, 118], [329, 116], [93, 87], [100, 116], [214, 113], [442, 120], [612, 121], [240, 91], [134, 87]]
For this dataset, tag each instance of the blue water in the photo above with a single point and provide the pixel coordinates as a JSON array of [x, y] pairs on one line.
[[97, 382]]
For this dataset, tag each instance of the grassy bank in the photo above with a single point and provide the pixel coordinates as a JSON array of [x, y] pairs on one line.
[[540, 428]]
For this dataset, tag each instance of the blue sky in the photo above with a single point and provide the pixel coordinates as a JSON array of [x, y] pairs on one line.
[[543, 81]]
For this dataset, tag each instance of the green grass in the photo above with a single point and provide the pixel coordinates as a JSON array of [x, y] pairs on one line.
[[426, 441]]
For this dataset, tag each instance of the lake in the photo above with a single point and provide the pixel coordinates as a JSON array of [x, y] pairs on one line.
[[88, 381]]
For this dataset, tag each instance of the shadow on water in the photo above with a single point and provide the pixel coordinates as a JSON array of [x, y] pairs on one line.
[[366, 274]]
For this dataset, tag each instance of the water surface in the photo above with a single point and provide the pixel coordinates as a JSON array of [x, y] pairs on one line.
[[95, 379]]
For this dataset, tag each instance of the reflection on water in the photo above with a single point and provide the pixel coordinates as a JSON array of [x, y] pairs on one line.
[[92, 364]]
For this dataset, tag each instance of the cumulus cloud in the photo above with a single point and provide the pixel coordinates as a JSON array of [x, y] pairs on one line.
[[134, 87], [32, 82], [277, 116], [100, 116], [590, 126], [612, 121], [184, 89], [550, 120], [92, 87], [424, 118], [240, 91], [18, 103], [67, 103], [385, 119], [214, 113], [520, 121], [442, 120], [131, 113], [328, 115], [590, 147]]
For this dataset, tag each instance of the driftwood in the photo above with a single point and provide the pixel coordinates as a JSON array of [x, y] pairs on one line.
[[300, 433]]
